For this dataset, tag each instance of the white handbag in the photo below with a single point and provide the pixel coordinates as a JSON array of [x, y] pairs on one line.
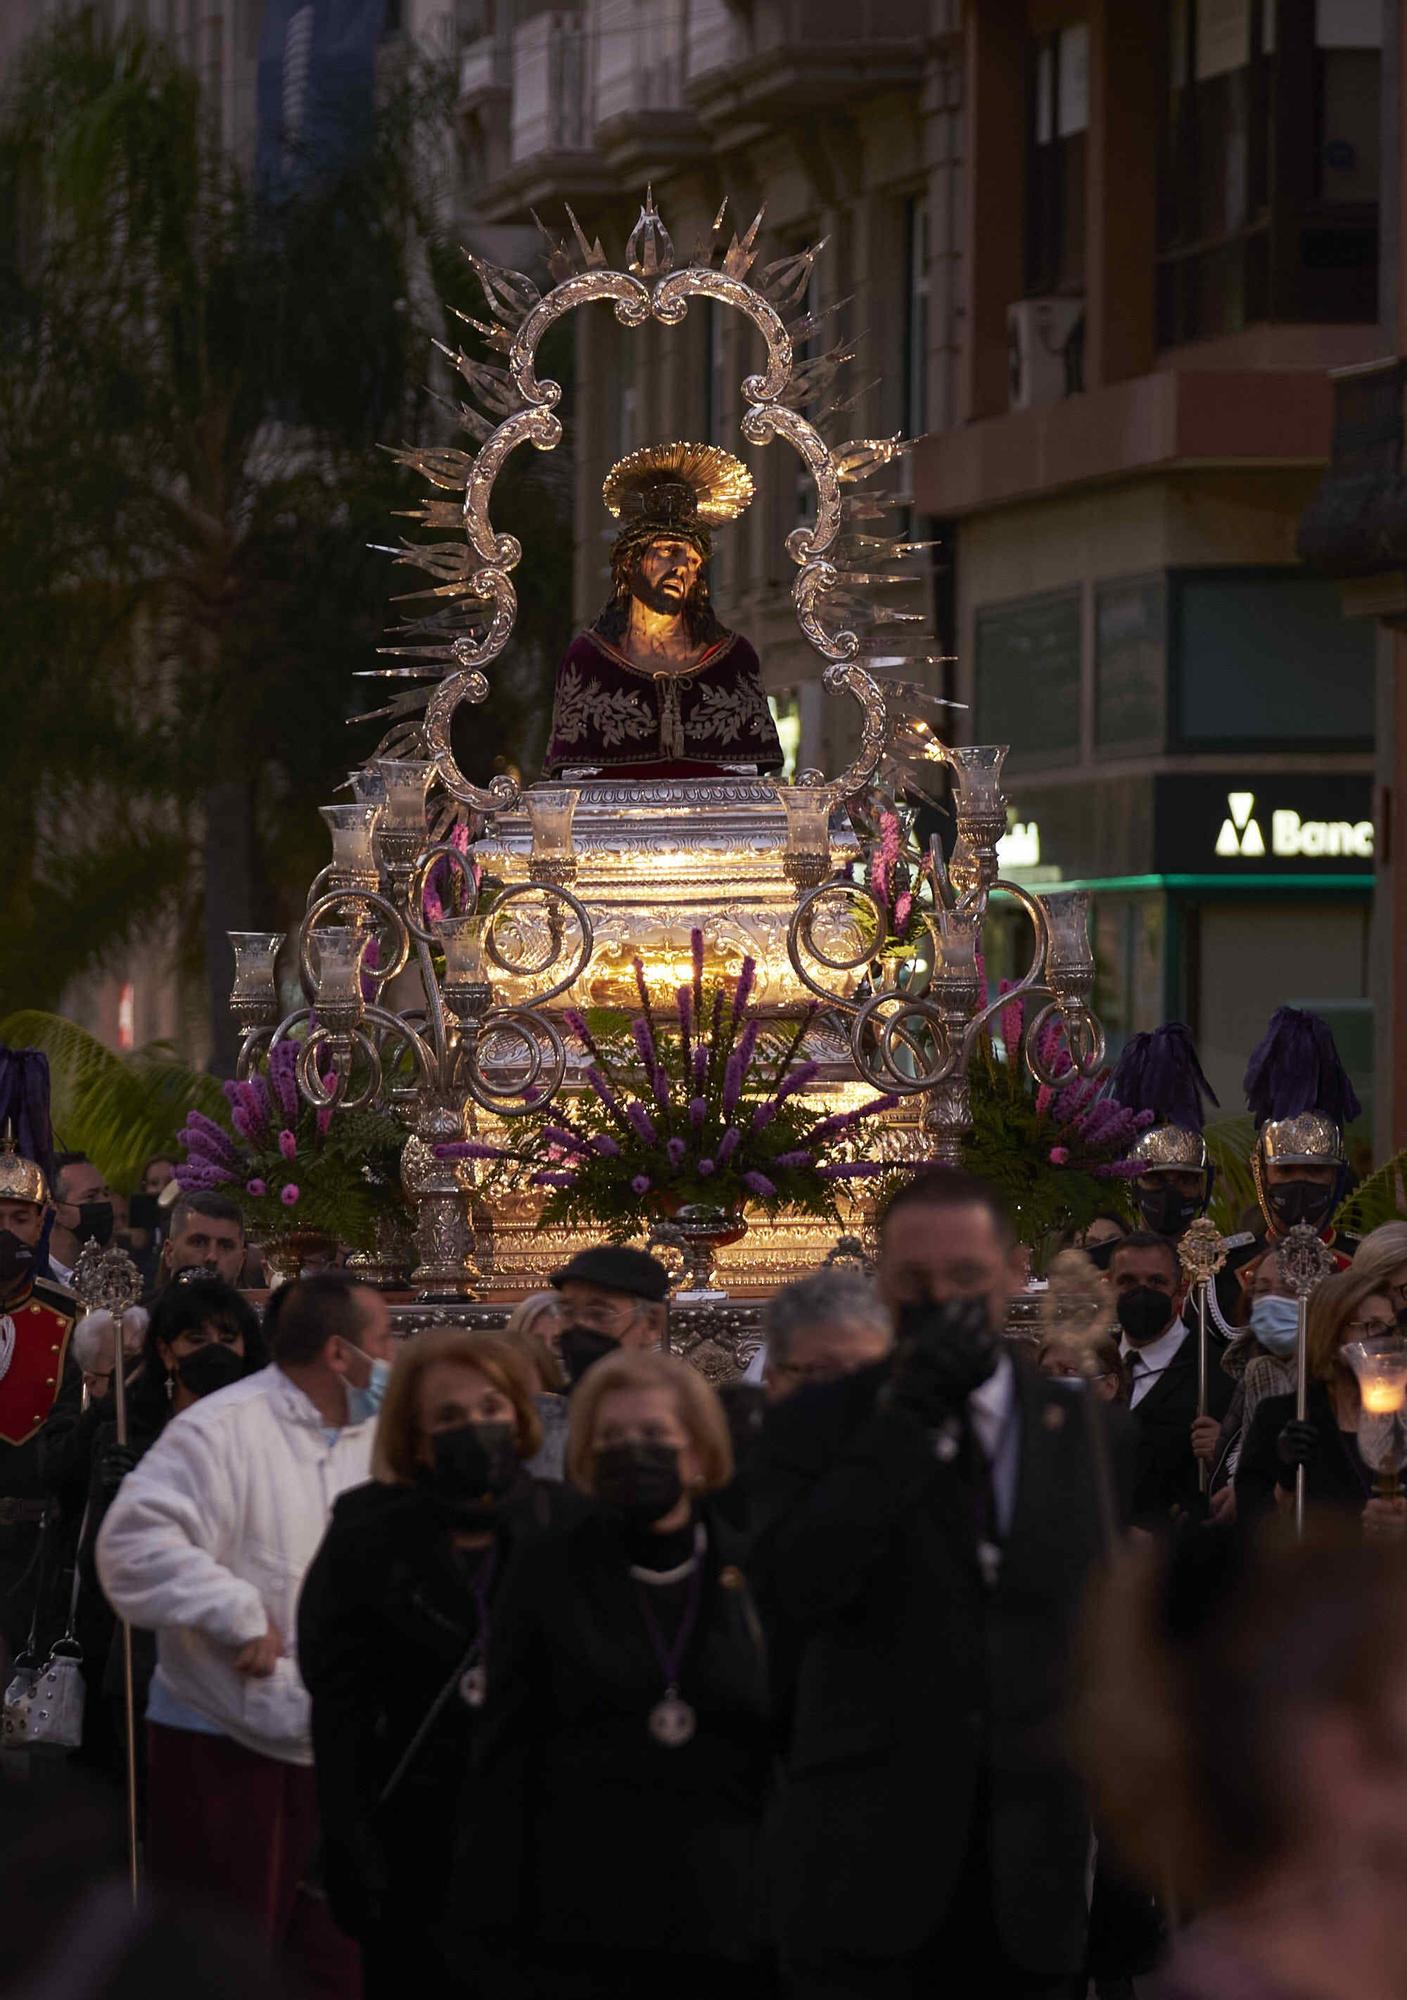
[[44, 1704]]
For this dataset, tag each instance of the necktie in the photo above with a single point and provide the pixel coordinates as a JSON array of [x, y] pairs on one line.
[[976, 1470]]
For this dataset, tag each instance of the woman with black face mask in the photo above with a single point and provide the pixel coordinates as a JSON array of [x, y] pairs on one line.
[[201, 1337], [611, 1832], [395, 1627]]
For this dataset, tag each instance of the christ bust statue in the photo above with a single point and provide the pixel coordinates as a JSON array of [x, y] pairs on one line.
[[657, 686]]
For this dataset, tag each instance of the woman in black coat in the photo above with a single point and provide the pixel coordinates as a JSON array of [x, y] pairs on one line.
[[393, 1627], [1344, 1308], [611, 1831]]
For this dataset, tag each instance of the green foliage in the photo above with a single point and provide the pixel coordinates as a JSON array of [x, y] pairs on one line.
[[192, 386], [292, 1165], [119, 1110], [1054, 1155], [1230, 1143], [1381, 1198]]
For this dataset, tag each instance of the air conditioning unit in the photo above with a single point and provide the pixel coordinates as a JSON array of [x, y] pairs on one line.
[[1045, 342]]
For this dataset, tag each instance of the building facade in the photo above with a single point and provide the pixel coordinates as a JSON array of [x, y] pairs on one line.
[[1106, 260]]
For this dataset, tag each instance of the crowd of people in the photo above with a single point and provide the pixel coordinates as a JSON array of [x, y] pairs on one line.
[[527, 1663]]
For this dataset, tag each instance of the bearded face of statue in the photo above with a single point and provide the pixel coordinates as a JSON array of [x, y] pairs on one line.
[[666, 575]]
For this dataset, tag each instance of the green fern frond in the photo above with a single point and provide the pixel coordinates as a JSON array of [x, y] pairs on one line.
[[1381, 1198], [1230, 1143], [119, 1110]]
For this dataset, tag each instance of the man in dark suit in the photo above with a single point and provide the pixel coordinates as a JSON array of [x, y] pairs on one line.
[[925, 1528], [1161, 1355]]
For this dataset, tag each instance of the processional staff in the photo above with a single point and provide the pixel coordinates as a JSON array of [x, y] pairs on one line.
[[108, 1281], [1305, 1261], [1202, 1252]]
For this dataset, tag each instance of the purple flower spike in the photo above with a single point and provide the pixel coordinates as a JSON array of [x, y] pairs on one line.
[[606, 1146], [576, 1021], [283, 1078], [700, 1065], [732, 1083], [759, 1184], [856, 1170], [231, 1090], [640, 1184], [642, 1122], [645, 1046], [705, 1168], [676, 1150], [742, 992], [800, 1158], [554, 1180], [659, 1084], [324, 1119], [685, 999], [288, 1145], [764, 1114], [217, 1143], [696, 949], [256, 1187], [698, 1111], [798, 1080], [728, 1145], [288, 1195]]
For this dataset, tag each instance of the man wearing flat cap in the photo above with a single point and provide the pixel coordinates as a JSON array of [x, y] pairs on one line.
[[612, 1298]]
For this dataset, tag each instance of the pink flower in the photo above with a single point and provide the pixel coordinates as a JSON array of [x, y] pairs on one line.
[[903, 909], [1059, 1156], [256, 1187], [289, 1195], [287, 1144]]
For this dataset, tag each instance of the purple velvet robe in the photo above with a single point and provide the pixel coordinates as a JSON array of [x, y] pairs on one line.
[[612, 716]]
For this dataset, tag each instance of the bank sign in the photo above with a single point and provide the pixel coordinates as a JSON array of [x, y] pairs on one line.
[[1276, 823]]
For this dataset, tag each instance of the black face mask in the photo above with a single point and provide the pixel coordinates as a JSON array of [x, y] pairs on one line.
[[959, 1347], [473, 1464], [579, 1346], [640, 1482], [1165, 1211], [1144, 1314], [209, 1368], [1300, 1201], [94, 1222], [16, 1260]]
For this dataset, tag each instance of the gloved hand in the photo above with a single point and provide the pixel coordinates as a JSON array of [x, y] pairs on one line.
[[944, 1351], [1297, 1444], [114, 1462]]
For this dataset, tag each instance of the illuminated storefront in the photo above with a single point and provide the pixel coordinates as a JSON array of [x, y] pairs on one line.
[[1218, 898]]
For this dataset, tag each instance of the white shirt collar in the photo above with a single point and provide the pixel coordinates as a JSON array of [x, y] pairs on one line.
[[1156, 1354], [994, 1400], [62, 1273]]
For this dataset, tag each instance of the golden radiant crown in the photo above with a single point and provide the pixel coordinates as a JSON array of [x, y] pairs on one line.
[[20, 1179], [678, 484]]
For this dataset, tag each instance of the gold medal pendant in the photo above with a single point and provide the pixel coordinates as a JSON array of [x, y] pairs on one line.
[[672, 1721]]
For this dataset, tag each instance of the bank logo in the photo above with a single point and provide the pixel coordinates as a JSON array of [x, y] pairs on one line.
[[1240, 831], [1291, 838]]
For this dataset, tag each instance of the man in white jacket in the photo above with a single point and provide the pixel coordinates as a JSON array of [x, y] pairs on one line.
[[207, 1544]]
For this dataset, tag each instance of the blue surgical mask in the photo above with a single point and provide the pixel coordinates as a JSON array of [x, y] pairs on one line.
[[1276, 1325], [365, 1403]]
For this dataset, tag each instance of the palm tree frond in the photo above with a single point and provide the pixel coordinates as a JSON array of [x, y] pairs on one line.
[[119, 1110]]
